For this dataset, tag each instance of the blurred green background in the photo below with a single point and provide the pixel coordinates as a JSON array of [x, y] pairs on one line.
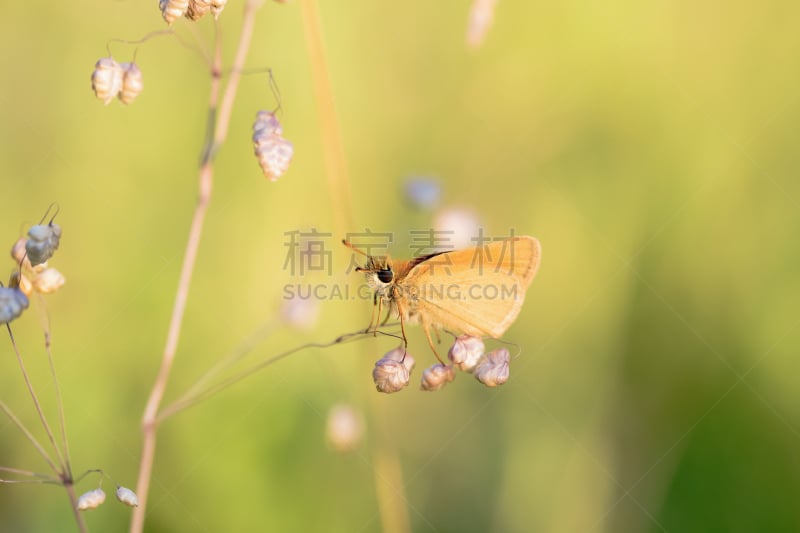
[[652, 148]]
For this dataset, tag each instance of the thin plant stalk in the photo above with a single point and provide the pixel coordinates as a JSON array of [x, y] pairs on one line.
[[73, 501], [386, 465], [335, 168], [219, 125], [61, 418], [36, 404], [196, 395], [17, 422]]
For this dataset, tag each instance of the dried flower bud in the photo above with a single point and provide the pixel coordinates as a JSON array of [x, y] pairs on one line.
[[172, 10], [132, 83], [392, 371], [274, 156], [91, 500], [344, 428], [127, 496], [18, 252], [493, 368], [197, 9], [266, 124], [465, 352], [48, 281], [106, 79], [12, 303], [217, 6], [22, 282], [437, 376], [274, 153], [42, 242]]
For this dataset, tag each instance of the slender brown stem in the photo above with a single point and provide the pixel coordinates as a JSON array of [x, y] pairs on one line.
[[38, 477], [39, 410], [61, 418], [73, 501], [219, 124], [336, 170], [29, 436], [195, 395]]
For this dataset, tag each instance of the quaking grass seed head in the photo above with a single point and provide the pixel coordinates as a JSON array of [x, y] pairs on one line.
[[172, 10], [48, 281], [127, 496], [266, 124], [492, 370], [274, 156], [197, 9], [465, 352], [91, 500], [107, 79], [132, 83], [18, 253], [12, 303], [43, 241], [392, 372], [274, 153], [437, 376], [217, 6]]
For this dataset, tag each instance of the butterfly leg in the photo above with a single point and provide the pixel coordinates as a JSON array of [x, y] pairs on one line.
[[427, 329], [402, 328], [377, 317], [372, 317]]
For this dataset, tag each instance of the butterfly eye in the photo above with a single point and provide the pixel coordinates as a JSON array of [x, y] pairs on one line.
[[386, 275]]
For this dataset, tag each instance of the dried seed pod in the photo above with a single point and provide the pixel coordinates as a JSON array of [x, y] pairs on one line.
[[274, 156], [437, 376], [132, 83], [19, 253], [43, 241], [48, 281], [127, 496], [392, 371], [12, 303], [266, 124], [217, 6], [172, 10], [22, 282], [91, 500], [197, 9], [106, 79], [274, 153], [493, 368], [465, 352], [344, 428]]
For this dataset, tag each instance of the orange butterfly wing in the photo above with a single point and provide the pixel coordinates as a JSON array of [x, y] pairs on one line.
[[478, 291]]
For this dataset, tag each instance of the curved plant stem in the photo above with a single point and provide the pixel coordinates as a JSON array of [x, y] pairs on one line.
[[386, 466], [38, 406], [218, 124], [73, 501], [197, 394], [17, 422], [61, 418], [336, 170]]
